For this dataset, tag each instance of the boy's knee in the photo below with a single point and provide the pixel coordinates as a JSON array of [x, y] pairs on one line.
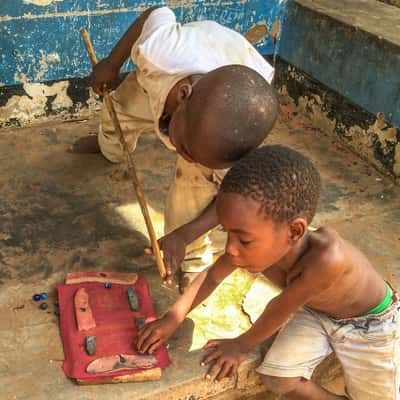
[[280, 385]]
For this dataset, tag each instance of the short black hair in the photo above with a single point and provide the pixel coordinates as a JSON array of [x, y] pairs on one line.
[[239, 108], [283, 181]]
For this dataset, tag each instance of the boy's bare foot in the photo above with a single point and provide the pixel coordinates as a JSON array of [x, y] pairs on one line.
[[186, 279], [87, 144]]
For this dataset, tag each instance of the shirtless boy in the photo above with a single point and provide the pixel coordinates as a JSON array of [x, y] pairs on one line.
[[332, 298], [204, 89]]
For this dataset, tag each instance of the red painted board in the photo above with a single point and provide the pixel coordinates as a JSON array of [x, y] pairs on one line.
[[115, 329]]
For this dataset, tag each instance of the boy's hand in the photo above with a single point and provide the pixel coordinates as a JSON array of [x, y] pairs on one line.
[[152, 335], [173, 247], [227, 356], [105, 72]]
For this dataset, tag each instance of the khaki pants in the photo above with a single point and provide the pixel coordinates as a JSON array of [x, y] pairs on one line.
[[194, 186]]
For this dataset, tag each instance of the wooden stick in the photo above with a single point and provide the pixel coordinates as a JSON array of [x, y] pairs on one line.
[[131, 165]]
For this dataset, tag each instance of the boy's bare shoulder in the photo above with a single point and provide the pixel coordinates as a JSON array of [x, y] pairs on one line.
[[326, 241], [326, 252]]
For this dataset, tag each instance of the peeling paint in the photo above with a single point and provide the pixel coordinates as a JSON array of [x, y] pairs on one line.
[[372, 138], [137, 9], [44, 66], [310, 106], [256, 32], [34, 106], [40, 2], [42, 44], [276, 30], [362, 140]]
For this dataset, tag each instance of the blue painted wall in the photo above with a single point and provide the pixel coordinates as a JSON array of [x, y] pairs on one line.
[[359, 66], [42, 43]]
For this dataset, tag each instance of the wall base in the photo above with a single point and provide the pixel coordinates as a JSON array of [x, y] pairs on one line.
[[32, 103], [367, 134]]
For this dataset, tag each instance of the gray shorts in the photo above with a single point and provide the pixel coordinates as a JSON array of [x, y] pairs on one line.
[[367, 347]]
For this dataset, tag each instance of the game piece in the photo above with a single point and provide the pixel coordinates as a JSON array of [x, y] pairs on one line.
[[83, 312], [122, 278], [43, 296], [108, 285], [44, 306], [121, 361], [36, 297], [133, 300], [90, 345]]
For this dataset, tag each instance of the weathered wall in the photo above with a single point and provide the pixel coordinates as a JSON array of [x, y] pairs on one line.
[[43, 64], [341, 63]]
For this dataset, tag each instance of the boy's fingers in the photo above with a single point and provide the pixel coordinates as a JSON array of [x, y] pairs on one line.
[[214, 370], [169, 272], [212, 356], [211, 343], [96, 87], [153, 338], [142, 336], [155, 346], [167, 280], [224, 371], [148, 251]]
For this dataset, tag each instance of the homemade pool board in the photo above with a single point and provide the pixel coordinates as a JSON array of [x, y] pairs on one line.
[[102, 305]]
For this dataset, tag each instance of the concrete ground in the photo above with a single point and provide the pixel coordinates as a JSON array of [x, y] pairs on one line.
[[61, 212]]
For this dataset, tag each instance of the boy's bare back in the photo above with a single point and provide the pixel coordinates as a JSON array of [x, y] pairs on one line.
[[343, 282]]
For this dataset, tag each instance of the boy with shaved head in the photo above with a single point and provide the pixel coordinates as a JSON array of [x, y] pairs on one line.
[[206, 92], [331, 300]]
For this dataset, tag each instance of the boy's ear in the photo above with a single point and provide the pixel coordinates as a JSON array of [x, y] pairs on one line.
[[297, 229], [184, 91]]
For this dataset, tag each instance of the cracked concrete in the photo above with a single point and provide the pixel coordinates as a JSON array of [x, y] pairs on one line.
[[61, 212]]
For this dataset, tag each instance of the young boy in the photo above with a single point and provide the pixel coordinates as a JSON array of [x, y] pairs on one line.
[[202, 88], [332, 299]]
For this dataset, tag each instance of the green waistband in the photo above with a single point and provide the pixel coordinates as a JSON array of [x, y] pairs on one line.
[[384, 303]]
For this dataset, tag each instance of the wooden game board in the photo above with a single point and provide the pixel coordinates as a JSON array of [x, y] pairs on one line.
[[115, 328]]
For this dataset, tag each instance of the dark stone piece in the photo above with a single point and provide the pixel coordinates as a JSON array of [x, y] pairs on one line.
[[36, 297], [44, 306], [90, 345], [108, 285], [133, 300], [139, 322], [43, 296], [57, 313]]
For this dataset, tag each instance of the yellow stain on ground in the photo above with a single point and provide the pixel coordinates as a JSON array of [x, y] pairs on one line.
[[228, 312]]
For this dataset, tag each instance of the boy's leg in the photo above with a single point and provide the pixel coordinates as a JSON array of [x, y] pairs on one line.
[[369, 351], [299, 389], [297, 350], [131, 104], [193, 189]]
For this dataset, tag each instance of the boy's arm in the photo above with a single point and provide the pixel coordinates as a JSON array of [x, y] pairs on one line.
[[152, 335], [106, 72], [315, 278], [173, 244]]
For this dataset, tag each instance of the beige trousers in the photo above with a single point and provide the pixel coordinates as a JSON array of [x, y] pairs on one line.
[[194, 186]]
